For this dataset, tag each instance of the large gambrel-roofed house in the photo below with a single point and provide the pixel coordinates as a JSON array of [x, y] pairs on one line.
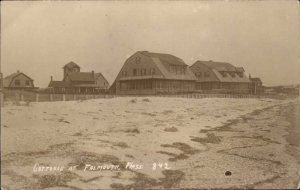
[[154, 73], [78, 82], [220, 77]]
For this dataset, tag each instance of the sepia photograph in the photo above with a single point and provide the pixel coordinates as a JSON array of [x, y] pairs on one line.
[[133, 95]]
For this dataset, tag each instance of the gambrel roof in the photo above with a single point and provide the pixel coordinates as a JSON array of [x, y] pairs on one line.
[[224, 72], [162, 62], [7, 80]]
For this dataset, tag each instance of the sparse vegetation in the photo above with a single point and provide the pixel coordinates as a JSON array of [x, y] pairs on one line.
[[146, 100], [135, 130], [133, 100], [171, 129], [211, 138]]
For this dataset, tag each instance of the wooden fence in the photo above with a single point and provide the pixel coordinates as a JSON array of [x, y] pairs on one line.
[[26, 96]]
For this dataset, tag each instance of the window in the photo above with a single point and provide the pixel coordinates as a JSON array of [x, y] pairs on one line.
[[182, 70], [206, 74], [232, 74], [152, 71], [17, 82], [198, 74], [223, 74], [143, 72], [137, 60], [134, 72], [27, 83], [124, 73]]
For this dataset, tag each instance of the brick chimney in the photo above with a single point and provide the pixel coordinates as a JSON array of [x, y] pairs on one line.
[[51, 78], [93, 73]]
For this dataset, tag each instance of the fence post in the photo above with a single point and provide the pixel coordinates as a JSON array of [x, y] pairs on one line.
[[74, 96], [22, 97], [1, 98], [37, 97], [64, 97], [51, 97]]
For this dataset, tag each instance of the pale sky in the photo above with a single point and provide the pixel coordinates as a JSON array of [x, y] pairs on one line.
[[39, 38]]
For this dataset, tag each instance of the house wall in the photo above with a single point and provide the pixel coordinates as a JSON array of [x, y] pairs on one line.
[[22, 78], [69, 70], [223, 87], [102, 82], [154, 86]]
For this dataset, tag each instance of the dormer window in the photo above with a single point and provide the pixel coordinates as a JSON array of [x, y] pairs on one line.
[[223, 73], [178, 70], [198, 74], [206, 74], [240, 74]]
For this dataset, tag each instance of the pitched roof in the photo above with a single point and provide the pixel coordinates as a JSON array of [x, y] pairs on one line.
[[81, 76], [71, 65], [97, 75], [167, 58], [7, 80], [255, 80], [57, 84]]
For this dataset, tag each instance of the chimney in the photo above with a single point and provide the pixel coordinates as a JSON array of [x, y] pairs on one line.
[[51, 78], [93, 73], [249, 76]]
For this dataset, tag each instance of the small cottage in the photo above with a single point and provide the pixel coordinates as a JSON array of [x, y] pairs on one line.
[[18, 81]]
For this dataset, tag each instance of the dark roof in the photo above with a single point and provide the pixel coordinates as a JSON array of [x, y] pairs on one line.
[[167, 58], [71, 65], [219, 66], [7, 80], [57, 84], [255, 79], [81, 76]]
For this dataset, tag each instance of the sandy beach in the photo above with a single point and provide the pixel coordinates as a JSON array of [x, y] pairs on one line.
[[151, 142]]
